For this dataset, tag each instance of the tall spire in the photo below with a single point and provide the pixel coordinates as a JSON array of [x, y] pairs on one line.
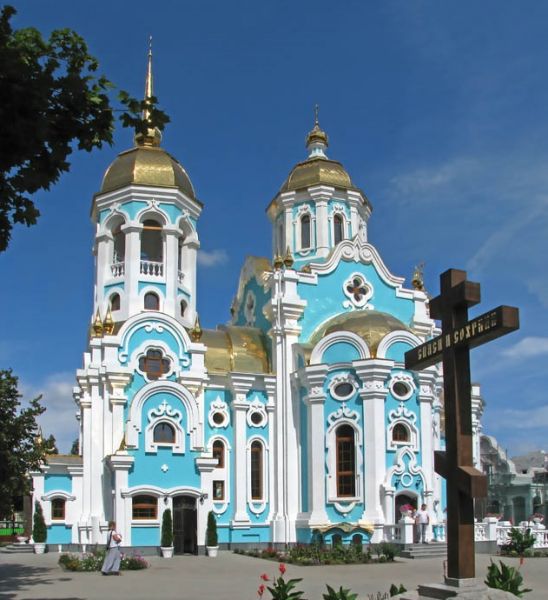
[[317, 140], [153, 137]]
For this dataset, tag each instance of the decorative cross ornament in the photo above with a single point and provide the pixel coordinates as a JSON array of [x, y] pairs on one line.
[[357, 289], [464, 482]]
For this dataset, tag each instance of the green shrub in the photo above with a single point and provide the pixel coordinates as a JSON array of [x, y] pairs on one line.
[[341, 594], [387, 551], [94, 561], [505, 578], [519, 542], [167, 530], [395, 590], [39, 530], [211, 532]]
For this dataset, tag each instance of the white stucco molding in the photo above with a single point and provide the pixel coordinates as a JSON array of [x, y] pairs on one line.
[[397, 336], [134, 423], [399, 468], [158, 492], [58, 494], [347, 337]]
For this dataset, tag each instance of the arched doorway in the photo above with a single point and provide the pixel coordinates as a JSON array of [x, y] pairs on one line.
[[402, 499], [520, 514], [185, 525]]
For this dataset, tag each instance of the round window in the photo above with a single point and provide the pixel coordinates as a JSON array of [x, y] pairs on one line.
[[256, 418], [343, 390], [218, 418], [401, 389]]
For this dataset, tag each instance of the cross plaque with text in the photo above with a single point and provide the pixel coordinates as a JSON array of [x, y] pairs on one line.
[[452, 347]]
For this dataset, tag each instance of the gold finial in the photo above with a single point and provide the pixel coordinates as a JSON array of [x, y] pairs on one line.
[[278, 261], [288, 258], [196, 331], [108, 323], [317, 137], [153, 136], [417, 281], [122, 445], [306, 269], [97, 327]]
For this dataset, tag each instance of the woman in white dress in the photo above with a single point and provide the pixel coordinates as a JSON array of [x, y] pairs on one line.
[[111, 564]]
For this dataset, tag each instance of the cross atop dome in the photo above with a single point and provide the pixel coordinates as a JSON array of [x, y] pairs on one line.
[[153, 136], [317, 140]]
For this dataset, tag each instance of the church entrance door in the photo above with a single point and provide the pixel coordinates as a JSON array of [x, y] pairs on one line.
[[184, 525], [402, 499]]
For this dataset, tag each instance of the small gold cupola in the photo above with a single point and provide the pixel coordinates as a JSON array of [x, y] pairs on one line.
[[317, 140]]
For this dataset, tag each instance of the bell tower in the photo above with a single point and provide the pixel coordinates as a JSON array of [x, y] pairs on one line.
[[318, 205], [146, 238]]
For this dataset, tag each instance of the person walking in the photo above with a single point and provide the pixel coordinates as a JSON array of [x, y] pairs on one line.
[[422, 519], [111, 564]]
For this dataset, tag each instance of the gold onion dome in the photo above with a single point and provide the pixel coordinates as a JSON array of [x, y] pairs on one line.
[[317, 168], [147, 163], [371, 325]]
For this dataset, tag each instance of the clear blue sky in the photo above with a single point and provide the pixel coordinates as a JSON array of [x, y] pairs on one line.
[[437, 109]]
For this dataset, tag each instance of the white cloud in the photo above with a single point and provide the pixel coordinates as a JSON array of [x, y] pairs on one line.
[[59, 418], [212, 258], [527, 348], [524, 419]]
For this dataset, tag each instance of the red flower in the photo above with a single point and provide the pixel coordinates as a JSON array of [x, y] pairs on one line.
[[264, 577], [261, 590], [282, 568]]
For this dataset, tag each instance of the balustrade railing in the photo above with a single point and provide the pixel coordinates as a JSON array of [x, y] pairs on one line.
[[148, 267], [117, 269]]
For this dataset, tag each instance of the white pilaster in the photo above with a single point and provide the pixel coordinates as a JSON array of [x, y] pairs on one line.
[[121, 463], [426, 396]]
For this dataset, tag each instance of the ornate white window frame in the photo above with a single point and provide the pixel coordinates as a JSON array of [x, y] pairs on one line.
[[153, 289], [165, 413], [250, 305], [304, 209], [218, 406], [408, 419], [347, 337], [407, 473], [47, 499], [343, 416], [406, 379], [221, 474], [166, 351], [258, 506], [345, 377], [363, 303], [338, 209], [194, 425], [257, 407]]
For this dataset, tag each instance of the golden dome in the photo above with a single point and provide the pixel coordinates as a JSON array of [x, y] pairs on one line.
[[147, 165], [315, 171], [371, 325]]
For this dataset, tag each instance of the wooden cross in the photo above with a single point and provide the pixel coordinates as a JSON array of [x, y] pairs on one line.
[[459, 335]]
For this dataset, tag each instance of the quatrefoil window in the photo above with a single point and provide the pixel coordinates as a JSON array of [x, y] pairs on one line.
[[358, 291], [154, 365]]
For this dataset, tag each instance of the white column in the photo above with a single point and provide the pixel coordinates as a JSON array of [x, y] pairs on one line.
[[121, 463], [321, 196], [102, 265], [171, 264], [427, 380], [190, 250], [205, 465], [240, 385], [315, 457], [373, 374], [132, 269], [75, 506], [117, 383]]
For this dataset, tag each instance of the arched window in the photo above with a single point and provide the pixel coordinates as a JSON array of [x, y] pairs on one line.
[[154, 365], [152, 302], [338, 229], [357, 540], [346, 461], [151, 241], [119, 251], [400, 433], [164, 433], [305, 231], [219, 453], [144, 507], [183, 306], [256, 471], [336, 540], [115, 302], [58, 509]]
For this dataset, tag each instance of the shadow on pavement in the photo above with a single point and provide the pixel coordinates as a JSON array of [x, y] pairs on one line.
[[16, 578]]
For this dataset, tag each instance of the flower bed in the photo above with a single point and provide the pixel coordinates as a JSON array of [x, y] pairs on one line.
[[314, 554], [93, 561]]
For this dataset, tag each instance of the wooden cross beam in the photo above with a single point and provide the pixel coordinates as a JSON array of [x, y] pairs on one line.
[[452, 347]]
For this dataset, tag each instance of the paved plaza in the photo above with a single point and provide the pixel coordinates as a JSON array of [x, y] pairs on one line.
[[228, 577]]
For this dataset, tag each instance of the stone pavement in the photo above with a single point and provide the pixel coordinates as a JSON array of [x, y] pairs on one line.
[[228, 577]]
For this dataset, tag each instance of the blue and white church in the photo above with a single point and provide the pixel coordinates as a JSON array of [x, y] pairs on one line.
[[295, 418]]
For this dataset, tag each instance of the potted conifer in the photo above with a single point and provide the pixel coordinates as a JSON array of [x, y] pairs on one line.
[[39, 531], [166, 543], [212, 545]]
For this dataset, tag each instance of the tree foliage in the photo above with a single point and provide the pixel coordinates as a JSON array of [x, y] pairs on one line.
[[51, 99], [39, 530], [19, 451]]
